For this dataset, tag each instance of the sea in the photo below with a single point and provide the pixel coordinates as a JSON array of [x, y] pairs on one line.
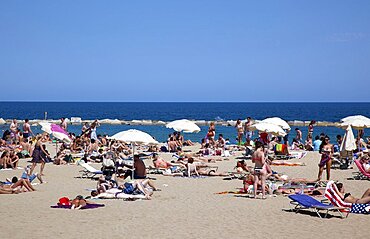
[[168, 111]]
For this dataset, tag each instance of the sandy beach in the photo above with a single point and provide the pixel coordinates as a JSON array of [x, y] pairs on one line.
[[185, 208]]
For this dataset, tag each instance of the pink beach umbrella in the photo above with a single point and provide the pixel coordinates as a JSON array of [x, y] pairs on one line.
[[55, 130]]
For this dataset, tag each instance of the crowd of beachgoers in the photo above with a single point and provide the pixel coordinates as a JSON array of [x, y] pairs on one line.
[[124, 173]]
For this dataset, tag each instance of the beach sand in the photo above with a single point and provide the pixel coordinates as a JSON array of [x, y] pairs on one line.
[[186, 208]]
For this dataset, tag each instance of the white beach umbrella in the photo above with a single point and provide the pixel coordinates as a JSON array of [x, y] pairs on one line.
[[354, 117], [183, 125], [356, 122], [277, 121], [349, 142], [268, 128], [134, 136]]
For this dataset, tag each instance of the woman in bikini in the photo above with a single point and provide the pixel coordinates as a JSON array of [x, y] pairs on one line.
[[326, 150], [240, 130], [347, 197], [260, 169], [211, 133]]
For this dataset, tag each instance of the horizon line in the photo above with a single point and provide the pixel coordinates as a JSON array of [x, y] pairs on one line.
[[56, 101]]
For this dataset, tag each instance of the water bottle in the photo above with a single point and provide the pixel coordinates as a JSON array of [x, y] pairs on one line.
[[302, 189]]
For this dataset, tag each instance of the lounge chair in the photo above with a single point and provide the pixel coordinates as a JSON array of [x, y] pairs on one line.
[[362, 174], [88, 170], [332, 194], [303, 201]]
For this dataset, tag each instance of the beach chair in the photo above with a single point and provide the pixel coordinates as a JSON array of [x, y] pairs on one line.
[[303, 201], [281, 151], [88, 170], [362, 174], [332, 194]]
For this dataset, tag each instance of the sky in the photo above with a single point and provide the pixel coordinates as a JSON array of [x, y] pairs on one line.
[[185, 51]]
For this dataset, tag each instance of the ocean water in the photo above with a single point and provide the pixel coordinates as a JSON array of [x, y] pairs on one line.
[[332, 112]]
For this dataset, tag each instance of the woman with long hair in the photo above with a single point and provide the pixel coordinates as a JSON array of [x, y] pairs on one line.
[[326, 150]]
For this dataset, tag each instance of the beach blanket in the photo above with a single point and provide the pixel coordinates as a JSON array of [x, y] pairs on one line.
[[88, 206]]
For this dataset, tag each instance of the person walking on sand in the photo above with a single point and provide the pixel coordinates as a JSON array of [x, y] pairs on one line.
[[37, 156]]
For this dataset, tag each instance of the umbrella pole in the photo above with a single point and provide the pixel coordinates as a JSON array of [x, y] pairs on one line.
[[133, 160], [56, 147]]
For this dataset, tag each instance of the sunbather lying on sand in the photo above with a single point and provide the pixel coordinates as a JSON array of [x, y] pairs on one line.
[[192, 168], [138, 187]]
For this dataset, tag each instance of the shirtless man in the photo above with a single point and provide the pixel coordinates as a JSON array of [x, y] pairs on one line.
[[247, 130], [27, 129], [260, 171], [139, 169]]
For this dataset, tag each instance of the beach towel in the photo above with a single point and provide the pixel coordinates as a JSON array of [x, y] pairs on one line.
[[241, 191], [88, 206], [287, 164]]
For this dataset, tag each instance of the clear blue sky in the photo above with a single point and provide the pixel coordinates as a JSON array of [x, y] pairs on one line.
[[185, 50]]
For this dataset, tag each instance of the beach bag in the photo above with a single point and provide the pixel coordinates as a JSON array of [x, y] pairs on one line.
[[164, 149], [64, 201]]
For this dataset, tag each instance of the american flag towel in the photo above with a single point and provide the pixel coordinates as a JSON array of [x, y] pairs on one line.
[[360, 208]]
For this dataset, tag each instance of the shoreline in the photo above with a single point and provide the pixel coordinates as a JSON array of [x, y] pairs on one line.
[[231, 123]]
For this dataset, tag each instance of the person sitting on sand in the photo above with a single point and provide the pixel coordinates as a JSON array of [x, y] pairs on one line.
[[4, 160], [347, 197], [139, 169], [365, 161], [241, 167], [23, 185]]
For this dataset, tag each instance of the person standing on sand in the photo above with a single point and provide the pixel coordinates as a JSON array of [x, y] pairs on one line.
[[27, 129], [298, 137], [260, 169], [211, 133], [247, 130], [310, 128], [240, 130], [13, 130], [63, 123], [326, 151], [93, 127]]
